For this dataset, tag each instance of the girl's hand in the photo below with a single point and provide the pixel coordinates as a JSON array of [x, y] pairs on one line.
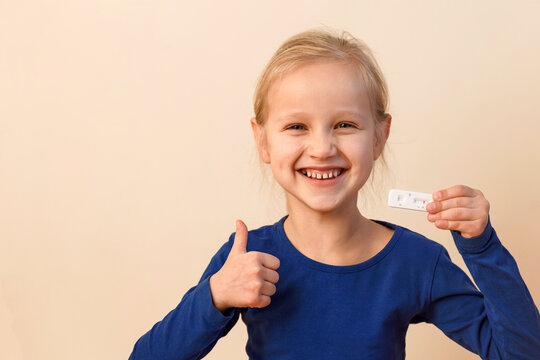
[[459, 208], [247, 278]]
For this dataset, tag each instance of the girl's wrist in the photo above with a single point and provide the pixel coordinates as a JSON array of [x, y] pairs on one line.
[[215, 293]]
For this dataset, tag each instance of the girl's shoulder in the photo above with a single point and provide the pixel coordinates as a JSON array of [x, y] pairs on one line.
[[259, 237], [266, 237], [409, 252], [412, 243]]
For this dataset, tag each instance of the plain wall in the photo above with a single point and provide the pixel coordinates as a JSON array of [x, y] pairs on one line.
[[126, 152]]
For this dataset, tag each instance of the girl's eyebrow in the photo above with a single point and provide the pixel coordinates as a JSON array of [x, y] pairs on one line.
[[293, 116], [303, 115]]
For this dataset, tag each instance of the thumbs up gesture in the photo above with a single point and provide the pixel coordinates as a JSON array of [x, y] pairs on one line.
[[247, 278]]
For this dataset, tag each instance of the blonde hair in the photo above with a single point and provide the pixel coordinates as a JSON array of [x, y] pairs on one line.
[[324, 44]]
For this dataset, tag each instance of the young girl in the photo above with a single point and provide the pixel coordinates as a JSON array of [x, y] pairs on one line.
[[324, 282]]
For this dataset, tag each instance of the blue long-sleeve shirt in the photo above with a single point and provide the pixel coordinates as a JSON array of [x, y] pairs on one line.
[[362, 311]]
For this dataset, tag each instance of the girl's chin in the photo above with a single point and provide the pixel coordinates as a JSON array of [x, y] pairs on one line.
[[324, 205], [319, 201]]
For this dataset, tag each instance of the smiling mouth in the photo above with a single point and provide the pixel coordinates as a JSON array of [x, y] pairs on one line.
[[322, 175]]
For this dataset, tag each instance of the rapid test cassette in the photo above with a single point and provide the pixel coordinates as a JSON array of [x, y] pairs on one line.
[[409, 199]]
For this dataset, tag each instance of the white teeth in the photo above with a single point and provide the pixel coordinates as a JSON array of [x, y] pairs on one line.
[[324, 175]]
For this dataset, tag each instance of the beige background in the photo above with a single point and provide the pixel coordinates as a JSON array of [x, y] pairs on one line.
[[126, 153]]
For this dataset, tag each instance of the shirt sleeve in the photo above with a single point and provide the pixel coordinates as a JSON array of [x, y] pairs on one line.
[[501, 321], [192, 329]]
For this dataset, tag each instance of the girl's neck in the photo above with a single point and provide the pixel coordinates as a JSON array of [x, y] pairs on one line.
[[330, 237]]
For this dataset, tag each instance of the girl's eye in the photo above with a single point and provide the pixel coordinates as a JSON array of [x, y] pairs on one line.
[[301, 127], [296, 127]]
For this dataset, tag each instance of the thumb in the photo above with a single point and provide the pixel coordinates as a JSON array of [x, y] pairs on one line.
[[240, 238]]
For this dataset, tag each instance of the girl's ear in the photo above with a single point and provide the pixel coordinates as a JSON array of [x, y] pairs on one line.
[[379, 145], [258, 134]]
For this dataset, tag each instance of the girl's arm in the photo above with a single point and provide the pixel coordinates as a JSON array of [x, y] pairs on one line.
[[501, 321], [192, 329]]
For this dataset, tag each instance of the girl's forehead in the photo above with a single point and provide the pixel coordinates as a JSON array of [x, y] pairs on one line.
[[319, 87], [321, 70]]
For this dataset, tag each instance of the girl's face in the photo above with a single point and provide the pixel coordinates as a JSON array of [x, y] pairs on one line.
[[319, 124]]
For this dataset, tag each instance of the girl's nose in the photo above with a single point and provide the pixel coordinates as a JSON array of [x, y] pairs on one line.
[[321, 146]]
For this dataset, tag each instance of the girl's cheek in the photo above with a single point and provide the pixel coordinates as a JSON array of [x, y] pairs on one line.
[[286, 154], [288, 144]]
